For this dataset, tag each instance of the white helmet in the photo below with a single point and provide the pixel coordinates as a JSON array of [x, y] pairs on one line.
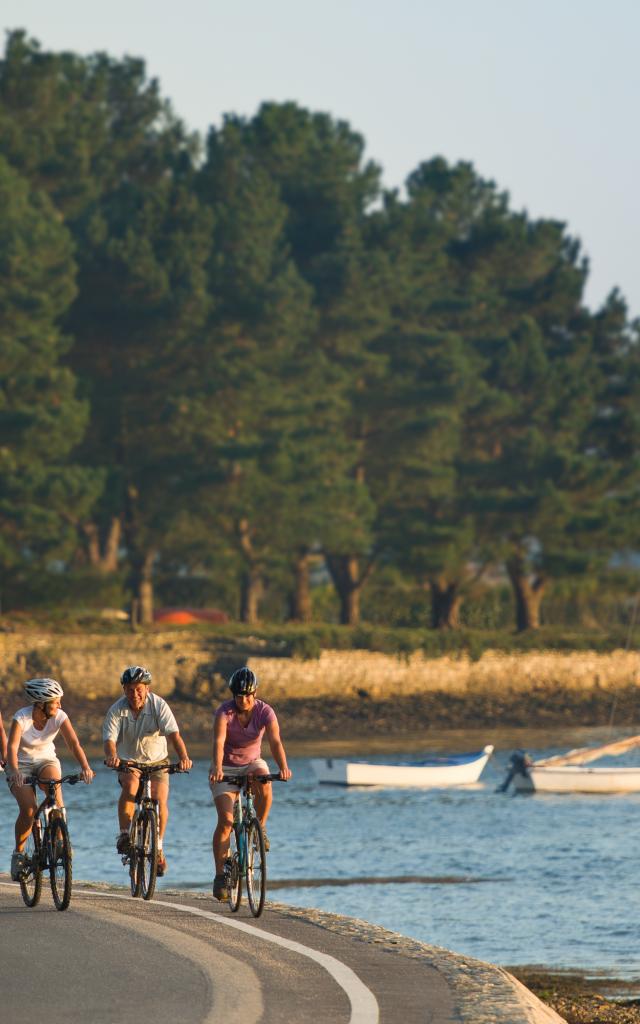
[[41, 690]]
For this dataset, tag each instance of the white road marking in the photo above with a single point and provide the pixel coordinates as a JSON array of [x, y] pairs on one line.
[[364, 1006], [221, 975]]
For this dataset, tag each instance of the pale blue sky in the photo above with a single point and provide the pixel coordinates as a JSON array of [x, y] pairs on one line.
[[541, 95]]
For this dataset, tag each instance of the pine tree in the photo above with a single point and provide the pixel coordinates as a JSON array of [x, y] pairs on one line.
[[41, 417]]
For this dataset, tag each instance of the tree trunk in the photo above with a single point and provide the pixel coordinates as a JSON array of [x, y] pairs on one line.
[[445, 605], [251, 595], [301, 593], [103, 553], [143, 589], [528, 593], [252, 589], [348, 581]]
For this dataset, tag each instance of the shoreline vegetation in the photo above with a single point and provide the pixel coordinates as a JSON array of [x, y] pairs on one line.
[[341, 694]]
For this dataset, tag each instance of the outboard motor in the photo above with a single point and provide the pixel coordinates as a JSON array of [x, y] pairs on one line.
[[519, 764]]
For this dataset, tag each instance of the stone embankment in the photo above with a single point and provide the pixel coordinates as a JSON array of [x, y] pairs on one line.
[[93, 663], [342, 692]]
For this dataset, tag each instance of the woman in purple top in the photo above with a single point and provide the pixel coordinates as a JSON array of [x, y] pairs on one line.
[[238, 727]]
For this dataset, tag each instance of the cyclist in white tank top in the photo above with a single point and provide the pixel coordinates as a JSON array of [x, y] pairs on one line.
[[31, 751]]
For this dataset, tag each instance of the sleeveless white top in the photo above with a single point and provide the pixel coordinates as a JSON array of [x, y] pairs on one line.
[[37, 744]]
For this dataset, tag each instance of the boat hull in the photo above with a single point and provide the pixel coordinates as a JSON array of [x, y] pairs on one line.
[[578, 779], [335, 771]]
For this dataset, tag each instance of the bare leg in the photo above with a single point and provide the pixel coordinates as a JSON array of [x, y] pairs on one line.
[[26, 801], [160, 792], [263, 798], [224, 806], [127, 801]]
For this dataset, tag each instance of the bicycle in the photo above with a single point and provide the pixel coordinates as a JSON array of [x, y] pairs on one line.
[[48, 846], [144, 830], [247, 857]]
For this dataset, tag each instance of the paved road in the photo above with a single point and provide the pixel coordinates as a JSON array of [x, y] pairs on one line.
[[110, 959]]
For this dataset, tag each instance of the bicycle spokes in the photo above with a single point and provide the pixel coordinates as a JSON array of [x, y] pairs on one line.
[[148, 862], [31, 879], [256, 868], [135, 878], [60, 871]]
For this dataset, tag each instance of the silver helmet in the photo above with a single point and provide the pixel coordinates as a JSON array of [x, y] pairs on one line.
[[39, 691]]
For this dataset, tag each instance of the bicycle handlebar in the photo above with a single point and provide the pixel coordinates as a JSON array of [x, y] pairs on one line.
[[149, 769], [236, 779], [33, 780]]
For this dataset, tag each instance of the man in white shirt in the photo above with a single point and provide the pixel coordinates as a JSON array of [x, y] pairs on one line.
[[136, 728]]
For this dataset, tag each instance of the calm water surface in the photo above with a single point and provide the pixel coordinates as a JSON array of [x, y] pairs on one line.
[[560, 873]]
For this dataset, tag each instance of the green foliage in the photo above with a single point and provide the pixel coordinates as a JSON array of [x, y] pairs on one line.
[[41, 417], [68, 591], [237, 378]]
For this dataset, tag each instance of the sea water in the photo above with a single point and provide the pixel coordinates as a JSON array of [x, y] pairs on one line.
[[512, 879]]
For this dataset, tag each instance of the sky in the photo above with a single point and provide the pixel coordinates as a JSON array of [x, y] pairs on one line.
[[542, 96]]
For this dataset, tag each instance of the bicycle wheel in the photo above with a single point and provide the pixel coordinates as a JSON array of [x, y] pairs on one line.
[[232, 870], [31, 881], [135, 848], [148, 861], [256, 868], [60, 863]]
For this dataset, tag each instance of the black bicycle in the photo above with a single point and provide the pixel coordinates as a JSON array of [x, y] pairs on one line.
[[144, 830], [48, 846], [247, 857]]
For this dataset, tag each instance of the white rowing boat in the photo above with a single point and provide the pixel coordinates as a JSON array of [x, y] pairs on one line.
[[434, 771], [573, 773], [578, 779]]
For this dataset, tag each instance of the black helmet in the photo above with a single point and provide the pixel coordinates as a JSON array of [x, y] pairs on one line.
[[243, 681], [135, 674]]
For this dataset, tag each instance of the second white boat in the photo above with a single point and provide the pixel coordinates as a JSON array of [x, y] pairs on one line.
[[447, 770]]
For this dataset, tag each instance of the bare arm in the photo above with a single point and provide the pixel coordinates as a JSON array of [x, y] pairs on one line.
[[3, 743], [15, 734], [178, 745], [73, 743], [277, 749], [111, 758], [219, 736]]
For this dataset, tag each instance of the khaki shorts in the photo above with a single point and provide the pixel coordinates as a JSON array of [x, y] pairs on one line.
[[35, 767], [257, 767], [159, 775]]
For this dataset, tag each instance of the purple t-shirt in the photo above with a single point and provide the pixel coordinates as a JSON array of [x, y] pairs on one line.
[[242, 743]]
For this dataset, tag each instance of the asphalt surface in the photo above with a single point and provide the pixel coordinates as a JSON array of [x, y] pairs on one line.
[[110, 959]]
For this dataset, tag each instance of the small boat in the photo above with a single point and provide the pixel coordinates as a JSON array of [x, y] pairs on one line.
[[570, 773], [447, 770], [578, 779]]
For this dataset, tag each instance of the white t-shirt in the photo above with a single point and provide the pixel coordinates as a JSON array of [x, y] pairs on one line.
[[142, 738], [37, 744]]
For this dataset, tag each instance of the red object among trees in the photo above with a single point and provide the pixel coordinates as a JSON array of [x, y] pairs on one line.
[[186, 616]]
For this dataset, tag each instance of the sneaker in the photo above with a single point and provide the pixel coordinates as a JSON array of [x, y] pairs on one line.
[[18, 865], [123, 845], [267, 844], [221, 888], [162, 865]]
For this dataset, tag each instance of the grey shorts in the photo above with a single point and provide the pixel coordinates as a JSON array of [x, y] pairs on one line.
[[35, 767], [257, 767]]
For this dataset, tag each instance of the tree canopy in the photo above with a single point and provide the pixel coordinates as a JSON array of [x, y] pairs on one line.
[[241, 365]]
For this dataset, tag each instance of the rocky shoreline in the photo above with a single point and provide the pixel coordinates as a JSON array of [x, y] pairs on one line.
[[580, 999]]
